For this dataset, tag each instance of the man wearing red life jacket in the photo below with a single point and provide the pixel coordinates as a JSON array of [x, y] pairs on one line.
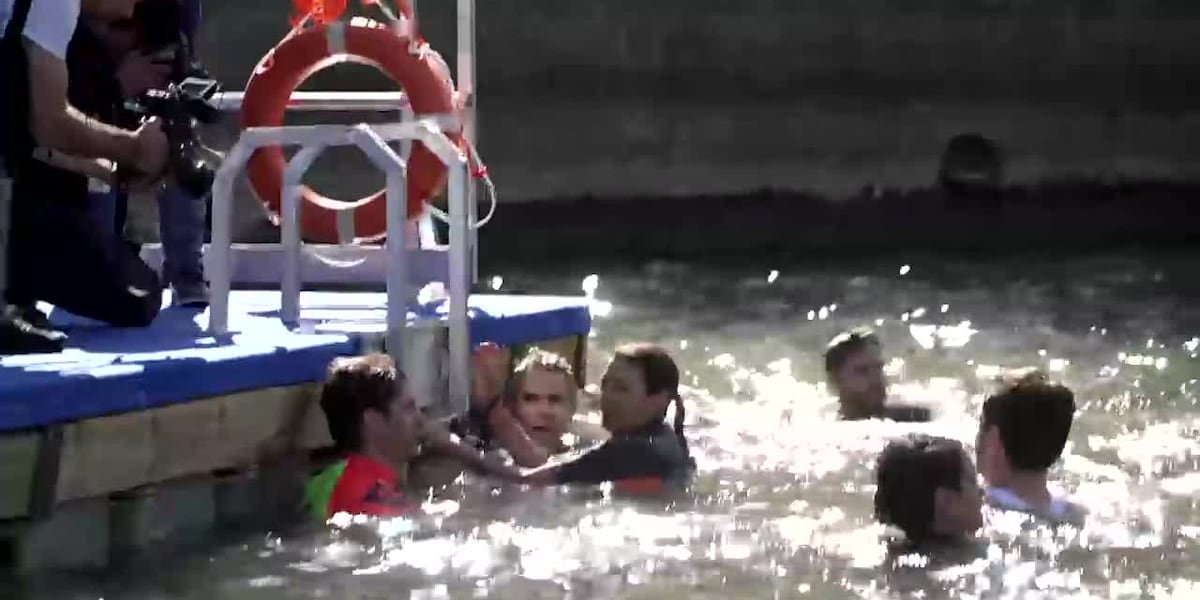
[[377, 428]]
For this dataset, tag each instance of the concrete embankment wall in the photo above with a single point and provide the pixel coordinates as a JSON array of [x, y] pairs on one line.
[[683, 98]]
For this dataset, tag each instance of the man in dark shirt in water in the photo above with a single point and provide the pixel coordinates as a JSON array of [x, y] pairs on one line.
[[854, 368], [644, 454]]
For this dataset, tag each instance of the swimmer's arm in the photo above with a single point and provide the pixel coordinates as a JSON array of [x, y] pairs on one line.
[[512, 436], [609, 461], [548, 475], [439, 441]]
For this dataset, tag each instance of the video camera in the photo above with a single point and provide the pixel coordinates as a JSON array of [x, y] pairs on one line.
[[180, 106]]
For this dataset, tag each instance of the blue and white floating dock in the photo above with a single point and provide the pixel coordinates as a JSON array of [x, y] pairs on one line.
[[123, 410]]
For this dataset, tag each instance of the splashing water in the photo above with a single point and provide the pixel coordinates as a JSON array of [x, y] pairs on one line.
[[782, 506]]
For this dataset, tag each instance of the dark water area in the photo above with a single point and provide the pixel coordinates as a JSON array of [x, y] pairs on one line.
[[625, 99], [1057, 216], [782, 503]]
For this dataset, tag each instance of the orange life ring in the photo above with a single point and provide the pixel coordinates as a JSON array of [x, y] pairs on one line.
[[422, 75]]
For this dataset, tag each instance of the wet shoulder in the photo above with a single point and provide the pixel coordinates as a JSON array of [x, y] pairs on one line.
[[319, 489], [1060, 511], [368, 488]]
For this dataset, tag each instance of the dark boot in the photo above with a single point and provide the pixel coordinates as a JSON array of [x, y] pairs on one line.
[[30, 314], [18, 336]]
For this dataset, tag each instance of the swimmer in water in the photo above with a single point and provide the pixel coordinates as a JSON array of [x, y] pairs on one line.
[[525, 415], [377, 429], [644, 454], [528, 413], [927, 487], [1023, 430], [542, 395], [854, 368]]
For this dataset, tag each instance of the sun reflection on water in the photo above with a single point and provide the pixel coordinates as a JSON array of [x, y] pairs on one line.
[[782, 505]]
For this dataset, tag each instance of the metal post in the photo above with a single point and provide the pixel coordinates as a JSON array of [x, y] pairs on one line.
[[466, 87], [386, 159], [460, 287], [406, 116], [222, 237], [290, 235], [231, 101], [397, 265]]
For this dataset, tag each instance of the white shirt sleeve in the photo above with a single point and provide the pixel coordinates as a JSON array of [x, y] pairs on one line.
[[51, 24]]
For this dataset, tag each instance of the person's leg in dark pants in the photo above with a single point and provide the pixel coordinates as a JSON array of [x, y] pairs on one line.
[[17, 334], [181, 218], [59, 255]]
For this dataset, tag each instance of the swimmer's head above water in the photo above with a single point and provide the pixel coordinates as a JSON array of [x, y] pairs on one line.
[[927, 487], [638, 385], [1023, 430], [543, 396], [369, 409], [854, 368]]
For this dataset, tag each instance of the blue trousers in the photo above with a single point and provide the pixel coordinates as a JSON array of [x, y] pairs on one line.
[[181, 228]]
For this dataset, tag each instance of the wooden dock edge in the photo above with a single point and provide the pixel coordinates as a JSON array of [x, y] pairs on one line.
[[84, 494]]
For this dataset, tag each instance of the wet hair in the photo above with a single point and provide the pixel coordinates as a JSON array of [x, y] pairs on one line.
[[660, 374], [846, 343], [537, 358], [1034, 418], [353, 386], [907, 475]]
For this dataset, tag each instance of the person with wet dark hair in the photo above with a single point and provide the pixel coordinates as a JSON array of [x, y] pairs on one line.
[[926, 487], [1023, 430], [645, 454], [854, 369], [377, 430]]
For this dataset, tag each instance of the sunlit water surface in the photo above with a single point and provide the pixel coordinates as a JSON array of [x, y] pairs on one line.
[[782, 504]]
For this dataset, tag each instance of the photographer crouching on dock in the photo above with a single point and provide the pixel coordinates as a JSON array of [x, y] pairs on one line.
[[149, 53], [57, 252]]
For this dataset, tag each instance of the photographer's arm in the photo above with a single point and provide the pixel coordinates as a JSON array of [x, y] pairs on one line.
[[100, 169], [57, 125]]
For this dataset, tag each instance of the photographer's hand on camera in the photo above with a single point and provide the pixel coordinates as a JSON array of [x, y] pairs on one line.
[[151, 149]]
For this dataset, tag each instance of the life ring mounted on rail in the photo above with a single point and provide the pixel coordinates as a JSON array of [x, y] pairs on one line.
[[416, 68]]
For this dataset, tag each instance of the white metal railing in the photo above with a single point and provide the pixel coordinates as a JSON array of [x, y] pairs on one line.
[[317, 101], [373, 141]]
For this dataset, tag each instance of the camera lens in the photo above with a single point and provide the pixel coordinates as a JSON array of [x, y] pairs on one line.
[[195, 176]]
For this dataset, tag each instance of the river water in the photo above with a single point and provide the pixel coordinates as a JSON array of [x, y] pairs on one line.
[[782, 504]]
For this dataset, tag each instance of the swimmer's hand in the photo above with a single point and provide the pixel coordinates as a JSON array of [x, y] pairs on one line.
[[489, 372]]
